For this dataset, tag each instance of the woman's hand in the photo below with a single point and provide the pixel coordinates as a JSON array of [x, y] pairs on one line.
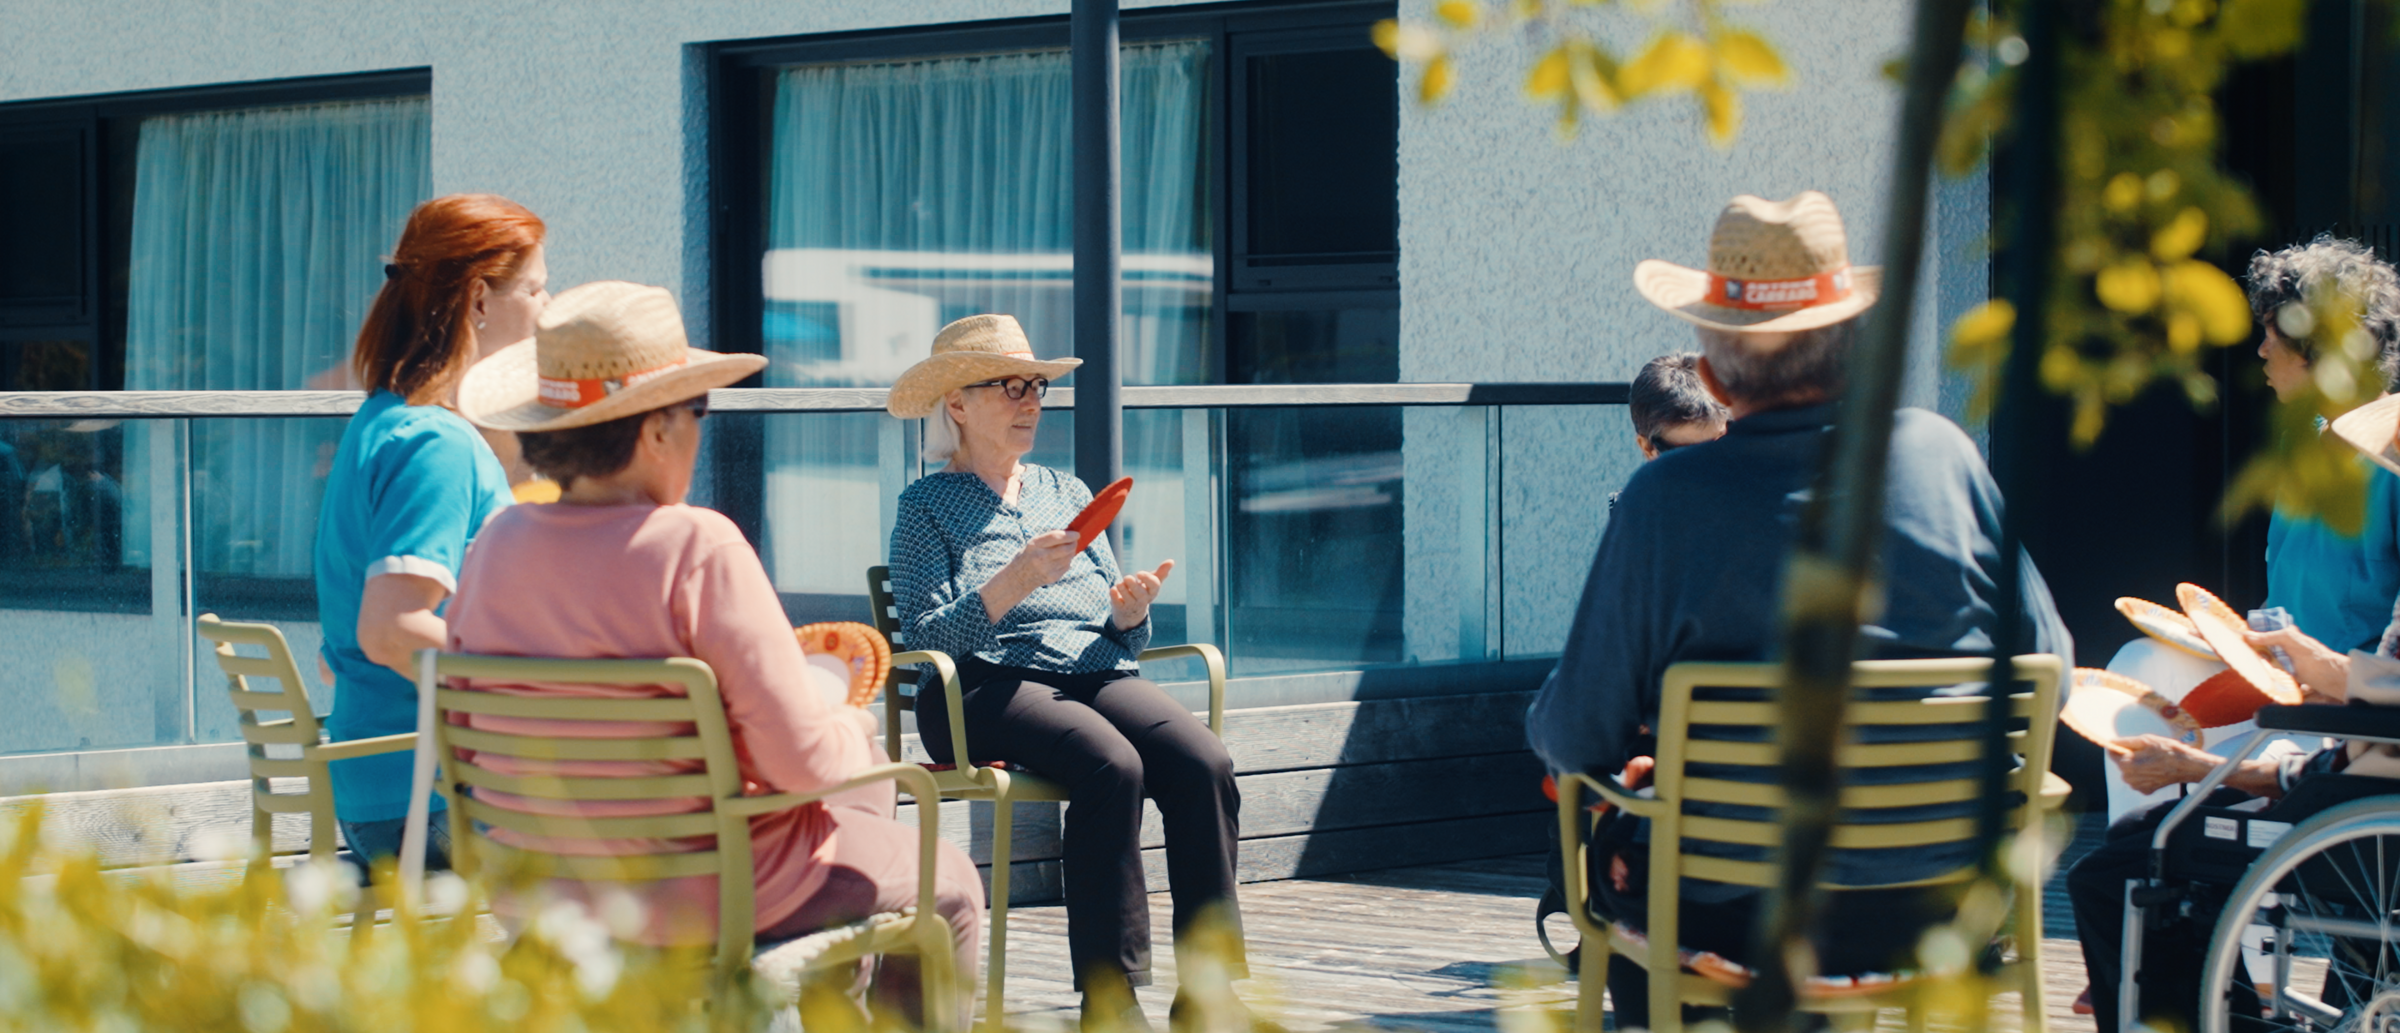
[[2153, 762], [1042, 561], [1129, 599], [2320, 670]]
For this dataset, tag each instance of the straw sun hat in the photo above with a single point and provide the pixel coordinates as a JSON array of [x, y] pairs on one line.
[[1773, 267], [970, 351], [600, 351]]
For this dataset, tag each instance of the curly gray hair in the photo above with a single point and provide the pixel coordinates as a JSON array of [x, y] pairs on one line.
[[2303, 273]]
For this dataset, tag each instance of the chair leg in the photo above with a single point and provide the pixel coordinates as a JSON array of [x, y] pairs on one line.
[[1592, 986], [2029, 959], [995, 1004]]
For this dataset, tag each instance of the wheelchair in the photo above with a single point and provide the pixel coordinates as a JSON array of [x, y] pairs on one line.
[[2316, 904]]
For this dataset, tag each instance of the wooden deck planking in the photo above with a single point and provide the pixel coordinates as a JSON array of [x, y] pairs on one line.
[[1418, 948]]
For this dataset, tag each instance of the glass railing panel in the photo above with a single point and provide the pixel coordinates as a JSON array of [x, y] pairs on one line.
[[1315, 536], [1559, 467], [256, 487], [91, 584]]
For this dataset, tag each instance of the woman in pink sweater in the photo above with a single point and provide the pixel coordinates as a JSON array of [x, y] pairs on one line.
[[608, 399]]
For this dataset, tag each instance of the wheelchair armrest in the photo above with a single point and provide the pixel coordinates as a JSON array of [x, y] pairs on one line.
[[2351, 722]]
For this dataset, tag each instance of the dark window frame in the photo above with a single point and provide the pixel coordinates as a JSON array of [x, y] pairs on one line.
[[97, 318], [737, 93]]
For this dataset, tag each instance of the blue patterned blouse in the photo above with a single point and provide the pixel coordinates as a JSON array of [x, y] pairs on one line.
[[952, 534]]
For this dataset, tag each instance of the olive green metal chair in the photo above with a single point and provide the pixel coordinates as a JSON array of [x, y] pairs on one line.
[[716, 781], [1003, 786], [1674, 832], [299, 729]]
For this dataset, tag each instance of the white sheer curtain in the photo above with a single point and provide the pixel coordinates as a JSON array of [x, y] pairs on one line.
[[259, 237], [907, 194]]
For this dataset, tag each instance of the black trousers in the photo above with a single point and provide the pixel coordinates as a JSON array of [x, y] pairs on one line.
[[1858, 931], [1111, 738], [2171, 957]]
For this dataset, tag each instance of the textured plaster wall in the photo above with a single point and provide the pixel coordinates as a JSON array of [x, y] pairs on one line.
[[1517, 253], [1517, 249], [590, 112]]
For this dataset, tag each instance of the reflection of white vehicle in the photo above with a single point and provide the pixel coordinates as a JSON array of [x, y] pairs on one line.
[[887, 305], [1332, 482]]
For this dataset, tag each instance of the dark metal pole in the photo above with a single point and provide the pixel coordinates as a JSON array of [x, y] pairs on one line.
[[2018, 421], [1099, 454], [1832, 581]]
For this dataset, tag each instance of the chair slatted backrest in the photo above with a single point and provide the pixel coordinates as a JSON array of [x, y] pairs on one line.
[[887, 620], [270, 684], [1739, 748], [704, 740]]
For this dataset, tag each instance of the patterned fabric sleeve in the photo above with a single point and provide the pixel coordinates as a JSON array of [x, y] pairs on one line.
[[935, 613]]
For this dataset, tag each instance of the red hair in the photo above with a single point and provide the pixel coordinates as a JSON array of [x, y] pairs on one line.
[[419, 336]]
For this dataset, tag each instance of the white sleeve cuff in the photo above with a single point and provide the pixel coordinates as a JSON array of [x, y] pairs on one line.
[[416, 565]]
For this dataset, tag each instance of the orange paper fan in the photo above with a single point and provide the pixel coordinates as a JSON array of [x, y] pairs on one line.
[[860, 648]]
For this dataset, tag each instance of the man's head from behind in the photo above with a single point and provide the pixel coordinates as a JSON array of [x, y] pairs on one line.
[[1671, 408], [1756, 372]]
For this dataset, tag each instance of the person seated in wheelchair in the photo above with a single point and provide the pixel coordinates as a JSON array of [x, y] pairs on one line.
[[1047, 636], [1691, 562], [607, 400], [2288, 788]]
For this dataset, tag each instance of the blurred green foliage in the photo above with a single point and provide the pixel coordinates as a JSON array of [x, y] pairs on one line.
[[1691, 51], [115, 952]]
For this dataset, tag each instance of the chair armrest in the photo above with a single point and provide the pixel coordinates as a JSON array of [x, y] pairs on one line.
[[2054, 791], [943, 665], [350, 749], [1615, 795], [915, 780], [1215, 660]]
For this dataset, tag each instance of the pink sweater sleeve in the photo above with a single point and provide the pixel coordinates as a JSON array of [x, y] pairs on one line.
[[789, 738]]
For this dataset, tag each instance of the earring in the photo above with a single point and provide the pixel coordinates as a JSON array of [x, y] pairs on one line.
[[479, 324]]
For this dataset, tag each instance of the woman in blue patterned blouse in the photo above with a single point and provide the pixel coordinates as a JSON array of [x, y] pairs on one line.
[[1046, 639]]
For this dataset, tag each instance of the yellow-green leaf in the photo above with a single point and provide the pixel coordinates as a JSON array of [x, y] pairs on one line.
[[1984, 326], [1724, 108], [2123, 193], [1749, 58], [2259, 28], [2181, 235], [1673, 61], [1439, 77], [2183, 332], [1589, 72], [2128, 285], [1406, 42], [2208, 294], [1548, 79], [1462, 14]]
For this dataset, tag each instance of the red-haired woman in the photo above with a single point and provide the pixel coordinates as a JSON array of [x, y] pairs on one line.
[[412, 483]]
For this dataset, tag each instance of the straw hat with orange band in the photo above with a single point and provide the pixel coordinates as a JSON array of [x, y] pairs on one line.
[[601, 351], [1774, 267]]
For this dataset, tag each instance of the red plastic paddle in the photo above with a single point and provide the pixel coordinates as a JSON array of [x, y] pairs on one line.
[[1102, 511]]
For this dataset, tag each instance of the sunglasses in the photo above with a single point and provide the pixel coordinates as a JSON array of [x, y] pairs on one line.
[[698, 407], [1015, 387]]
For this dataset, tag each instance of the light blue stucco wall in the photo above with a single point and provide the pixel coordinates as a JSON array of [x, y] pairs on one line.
[[588, 112], [1517, 248], [1517, 256]]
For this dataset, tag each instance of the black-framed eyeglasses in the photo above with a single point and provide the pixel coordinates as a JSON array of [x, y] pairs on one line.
[[698, 406], [1015, 387]]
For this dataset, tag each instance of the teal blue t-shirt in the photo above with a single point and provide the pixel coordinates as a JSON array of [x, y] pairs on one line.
[[410, 486], [2339, 588]]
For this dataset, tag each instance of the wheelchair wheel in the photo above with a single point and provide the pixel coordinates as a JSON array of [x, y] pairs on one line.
[[2328, 894]]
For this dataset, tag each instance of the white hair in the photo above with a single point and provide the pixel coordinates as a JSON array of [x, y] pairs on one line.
[[941, 435]]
